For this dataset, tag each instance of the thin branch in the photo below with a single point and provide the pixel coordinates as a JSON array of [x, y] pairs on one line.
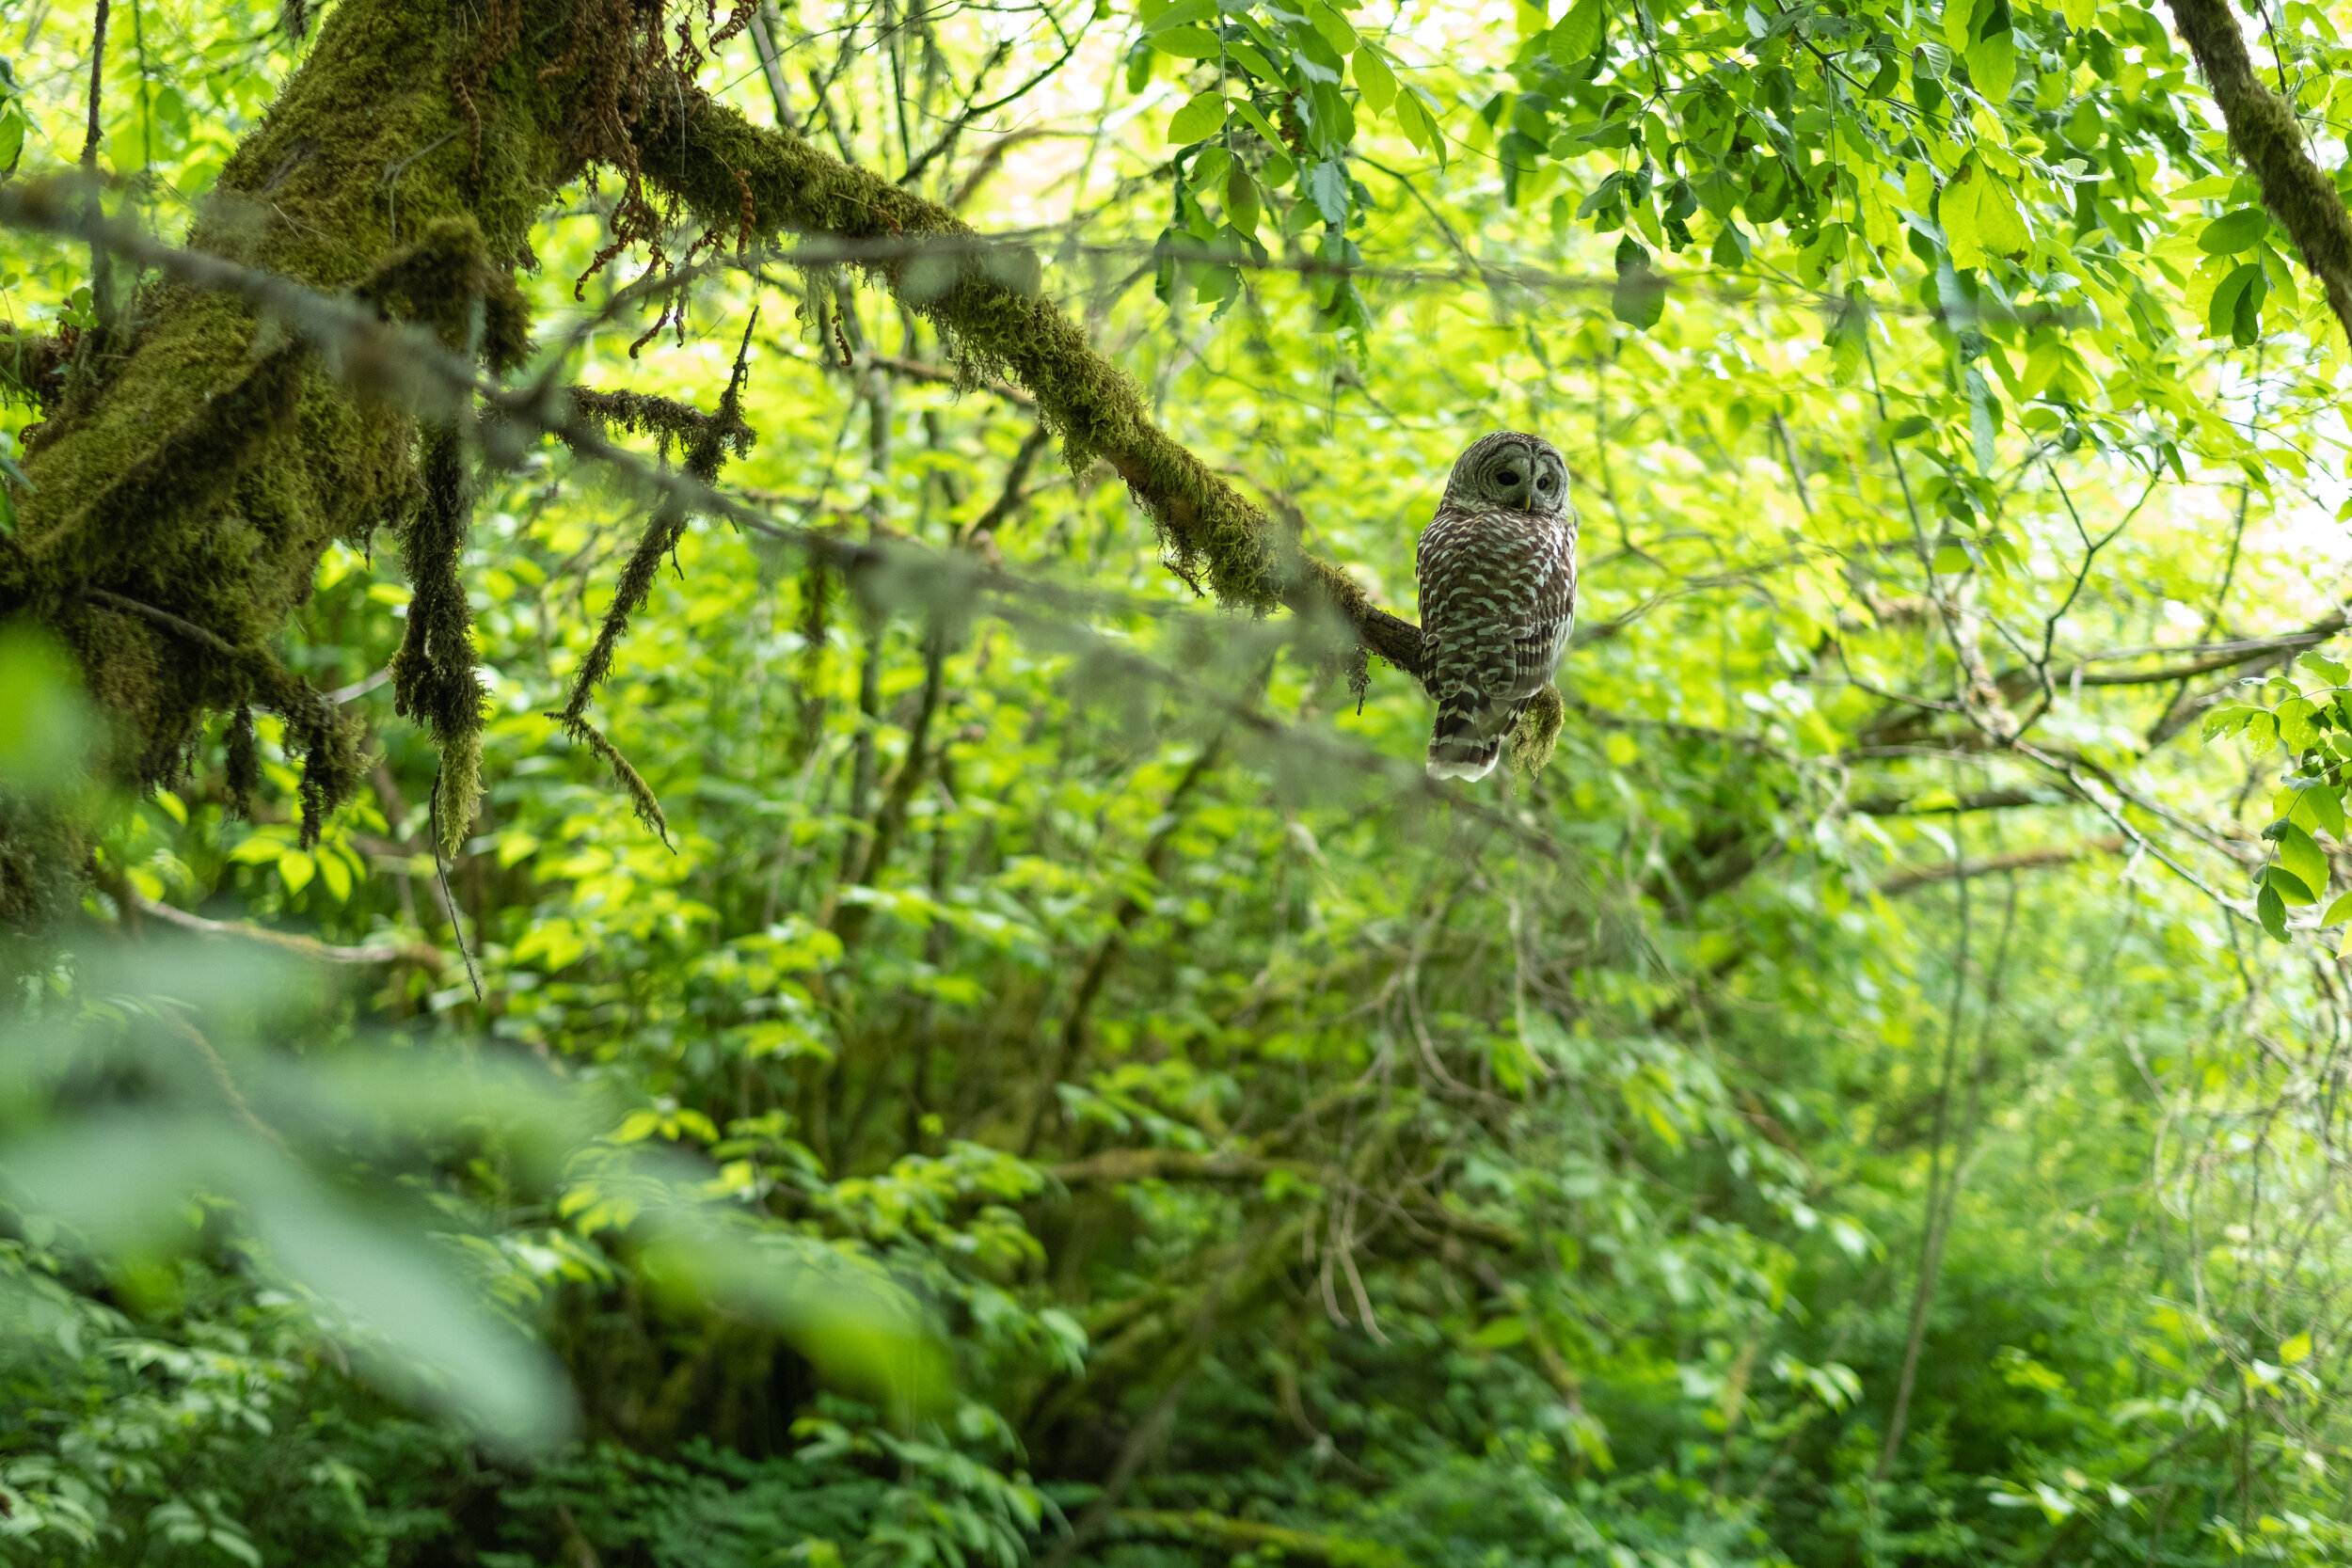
[[163, 618], [764, 22], [393, 950], [2015, 859]]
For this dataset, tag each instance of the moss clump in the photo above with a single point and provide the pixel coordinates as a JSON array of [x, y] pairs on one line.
[[433, 675], [32, 366], [1537, 733], [447, 283]]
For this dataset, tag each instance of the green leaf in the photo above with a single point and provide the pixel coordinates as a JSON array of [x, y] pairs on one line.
[[298, 869], [2271, 911], [2327, 669], [1242, 207], [1197, 121], [2303, 859], [335, 872], [1255, 119], [1374, 79], [2233, 232], [1209, 169], [1327, 184], [1189, 43], [2339, 910], [1980, 218], [1332, 24], [1992, 65], [1182, 13], [1577, 34], [1957, 29], [1500, 1334], [2246, 310], [2296, 726], [1640, 297], [260, 849], [1256, 63], [1419, 126], [2316, 808], [2287, 885]]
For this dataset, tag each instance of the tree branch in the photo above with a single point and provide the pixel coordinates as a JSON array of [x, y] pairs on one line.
[[2015, 860], [1984, 799], [2269, 141], [395, 951], [985, 301]]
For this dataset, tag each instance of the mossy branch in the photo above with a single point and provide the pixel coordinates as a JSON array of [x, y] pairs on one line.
[[2269, 140], [984, 301], [708, 438]]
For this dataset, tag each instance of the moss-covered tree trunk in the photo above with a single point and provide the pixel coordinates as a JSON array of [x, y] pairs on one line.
[[198, 460], [195, 462]]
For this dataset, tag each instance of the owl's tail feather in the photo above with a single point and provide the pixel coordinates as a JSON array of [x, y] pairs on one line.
[[1458, 751]]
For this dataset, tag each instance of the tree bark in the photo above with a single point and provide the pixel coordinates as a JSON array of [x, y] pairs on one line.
[[195, 462], [2269, 140]]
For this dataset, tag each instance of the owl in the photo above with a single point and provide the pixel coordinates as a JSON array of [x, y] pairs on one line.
[[1497, 569]]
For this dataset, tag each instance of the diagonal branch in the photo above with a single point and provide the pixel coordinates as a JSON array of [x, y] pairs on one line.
[[2269, 140], [985, 302], [2015, 860]]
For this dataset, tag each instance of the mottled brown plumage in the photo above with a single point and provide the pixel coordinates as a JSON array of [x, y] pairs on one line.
[[1496, 568]]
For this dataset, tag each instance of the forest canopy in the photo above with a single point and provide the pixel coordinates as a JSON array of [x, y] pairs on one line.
[[712, 839]]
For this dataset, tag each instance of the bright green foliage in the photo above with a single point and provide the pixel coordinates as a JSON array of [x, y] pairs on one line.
[[1066, 1071]]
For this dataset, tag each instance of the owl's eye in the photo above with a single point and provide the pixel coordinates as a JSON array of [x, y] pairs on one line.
[[1544, 483], [1509, 476]]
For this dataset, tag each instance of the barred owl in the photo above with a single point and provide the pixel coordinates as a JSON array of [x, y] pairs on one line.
[[1496, 568]]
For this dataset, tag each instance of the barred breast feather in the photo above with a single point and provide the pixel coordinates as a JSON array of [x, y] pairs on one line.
[[1497, 597]]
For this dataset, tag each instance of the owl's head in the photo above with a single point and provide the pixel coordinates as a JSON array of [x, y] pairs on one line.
[[1512, 470]]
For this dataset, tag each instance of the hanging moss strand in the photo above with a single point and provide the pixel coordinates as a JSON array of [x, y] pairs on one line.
[[434, 676]]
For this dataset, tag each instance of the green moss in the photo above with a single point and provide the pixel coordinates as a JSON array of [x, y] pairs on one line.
[[709, 438], [1537, 733], [205, 468], [31, 366], [435, 679]]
